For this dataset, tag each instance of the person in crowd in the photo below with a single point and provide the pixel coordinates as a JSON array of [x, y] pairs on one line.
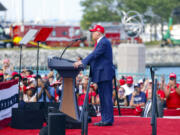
[[137, 98], [122, 81], [23, 73], [172, 92], [29, 73], [7, 68], [45, 92], [96, 98], [121, 97], [82, 93], [51, 73], [128, 87], [78, 88], [32, 82], [50, 79], [58, 77], [160, 90], [57, 90], [1, 70], [160, 100], [15, 76], [30, 95], [146, 84], [24, 84], [1, 77], [148, 90], [101, 72], [141, 83], [92, 94]]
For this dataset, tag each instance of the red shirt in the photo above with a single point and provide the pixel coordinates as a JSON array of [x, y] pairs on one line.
[[56, 96], [161, 94], [24, 88], [82, 97], [173, 101]]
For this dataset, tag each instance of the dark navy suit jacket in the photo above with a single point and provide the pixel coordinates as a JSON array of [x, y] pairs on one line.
[[100, 61]]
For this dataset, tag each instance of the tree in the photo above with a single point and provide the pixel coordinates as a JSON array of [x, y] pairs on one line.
[[99, 11], [163, 8], [108, 10]]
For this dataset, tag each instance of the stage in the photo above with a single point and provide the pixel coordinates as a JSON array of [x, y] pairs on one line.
[[122, 126]]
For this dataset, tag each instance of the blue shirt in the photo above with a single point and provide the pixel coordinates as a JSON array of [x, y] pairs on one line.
[[141, 98], [51, 92]]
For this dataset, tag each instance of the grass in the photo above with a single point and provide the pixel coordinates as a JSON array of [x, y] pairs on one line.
[[152, 43]]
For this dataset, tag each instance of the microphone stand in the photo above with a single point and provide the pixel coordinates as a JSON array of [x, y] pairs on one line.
[[37, 70], [66, 48], [73, 41], [19, 81]]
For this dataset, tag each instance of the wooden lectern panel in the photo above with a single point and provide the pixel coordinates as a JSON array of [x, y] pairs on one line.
[[68, 102]]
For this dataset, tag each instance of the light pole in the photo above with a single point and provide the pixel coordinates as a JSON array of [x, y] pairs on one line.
[[22, 12]]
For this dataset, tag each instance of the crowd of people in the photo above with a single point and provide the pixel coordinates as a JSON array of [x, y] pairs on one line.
[[131, 94]]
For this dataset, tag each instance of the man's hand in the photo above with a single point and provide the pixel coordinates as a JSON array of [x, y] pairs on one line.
[[171, 84], [42, 86], [134, 93], [77, 64]]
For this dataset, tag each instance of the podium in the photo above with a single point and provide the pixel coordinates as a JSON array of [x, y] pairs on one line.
[[66, 69]]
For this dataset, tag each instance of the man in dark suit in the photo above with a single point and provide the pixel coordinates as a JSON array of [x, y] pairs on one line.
[[101, 72]]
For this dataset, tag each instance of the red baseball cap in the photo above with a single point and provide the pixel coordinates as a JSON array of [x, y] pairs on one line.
[[129, 80], [14, 73], [97, 28], [172, 75], [56, 82], [122, 82], [30, 87]]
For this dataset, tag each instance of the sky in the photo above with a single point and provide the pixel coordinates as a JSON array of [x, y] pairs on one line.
[[61, 10]]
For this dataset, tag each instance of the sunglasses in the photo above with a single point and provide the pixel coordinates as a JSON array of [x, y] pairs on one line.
[[172, 78]]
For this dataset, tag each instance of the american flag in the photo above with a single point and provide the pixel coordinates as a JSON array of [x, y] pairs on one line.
[[8, 100]]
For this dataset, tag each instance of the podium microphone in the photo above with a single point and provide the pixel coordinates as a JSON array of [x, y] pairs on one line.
[[74, 40], [80, 39]]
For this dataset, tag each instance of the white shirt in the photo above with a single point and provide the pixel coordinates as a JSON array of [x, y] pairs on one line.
[[99, 39], [128, 90], [26, 98]]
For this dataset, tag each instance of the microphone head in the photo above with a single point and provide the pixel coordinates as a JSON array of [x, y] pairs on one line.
[[83, 38]]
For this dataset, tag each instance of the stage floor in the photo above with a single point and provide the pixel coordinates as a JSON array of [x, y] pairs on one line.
[[122, 126]]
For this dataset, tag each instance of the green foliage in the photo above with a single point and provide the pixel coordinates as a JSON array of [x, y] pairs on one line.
[[137, 5], [107, 10], [98, 11], [163, 8]]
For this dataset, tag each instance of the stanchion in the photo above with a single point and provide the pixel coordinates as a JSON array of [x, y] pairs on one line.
[[117, 99], [154, 103], [37, 70], [84, 113], [19, 82]]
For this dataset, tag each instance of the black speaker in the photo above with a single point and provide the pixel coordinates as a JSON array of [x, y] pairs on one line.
[[70, 122], [27, 119], [56, 124]]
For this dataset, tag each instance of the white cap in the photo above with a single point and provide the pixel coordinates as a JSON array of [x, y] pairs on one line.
[[140, 81]]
